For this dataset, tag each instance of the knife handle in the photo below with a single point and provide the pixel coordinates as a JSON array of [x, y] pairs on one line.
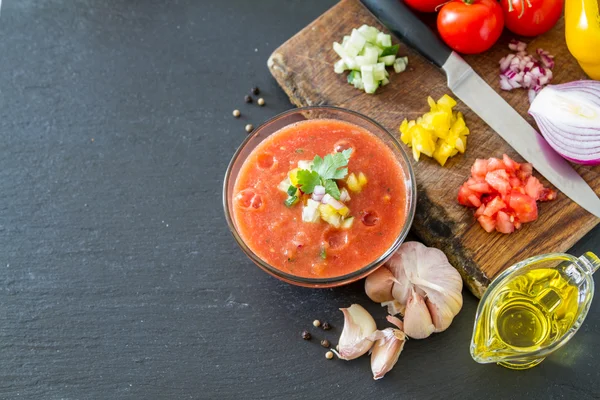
[[401, 21]]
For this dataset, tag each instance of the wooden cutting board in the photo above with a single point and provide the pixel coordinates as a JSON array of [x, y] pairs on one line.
[[303, 66]]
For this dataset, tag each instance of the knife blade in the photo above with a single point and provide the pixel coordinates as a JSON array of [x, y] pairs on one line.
[[485, 102]]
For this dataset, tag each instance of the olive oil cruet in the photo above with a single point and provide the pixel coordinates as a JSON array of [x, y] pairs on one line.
[[532, 309]]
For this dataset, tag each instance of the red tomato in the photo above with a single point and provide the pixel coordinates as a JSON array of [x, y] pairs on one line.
[[470, 26], [524, 206], [531, 17], [424, 5]]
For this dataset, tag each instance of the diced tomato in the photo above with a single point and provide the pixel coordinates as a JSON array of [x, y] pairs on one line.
[[547, 195], [525, 171], [494, 206], [504, 193], [524, 206], [494, 164], [498, 180], [511, 165], [475, 200], [464, 194], [533, 187], [514, 181], [480, 211], [503, 223], [482, 187], [487, 223], [518, 224], [479, 168]]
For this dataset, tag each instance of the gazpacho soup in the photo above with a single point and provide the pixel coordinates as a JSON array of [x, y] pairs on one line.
[[320, 198]]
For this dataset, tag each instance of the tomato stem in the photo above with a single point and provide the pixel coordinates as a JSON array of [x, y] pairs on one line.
[[469, 1]]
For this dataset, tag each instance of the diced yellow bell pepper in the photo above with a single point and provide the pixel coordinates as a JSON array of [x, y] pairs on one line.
[[446, 101], [293, 175], [458, 126], [343, 211], [442, 153], [422, 140], [404, 135], [433, 107], [362, 179], [330, 215], [416, 154], [352, 183], [461, 144], [440, 133]]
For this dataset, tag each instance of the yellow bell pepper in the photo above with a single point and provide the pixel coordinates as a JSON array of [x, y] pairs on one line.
[[440, 133], [582, 31]]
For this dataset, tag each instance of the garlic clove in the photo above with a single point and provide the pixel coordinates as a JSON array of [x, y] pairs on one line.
[[417, 320], [386, 351], [378, 285], [393, 307], [442, 308], [358, 334], [396, 321]]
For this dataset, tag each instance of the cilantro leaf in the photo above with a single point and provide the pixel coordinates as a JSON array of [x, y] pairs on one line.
[[332, 188], [328, 167], [390, 51], [307, 180]]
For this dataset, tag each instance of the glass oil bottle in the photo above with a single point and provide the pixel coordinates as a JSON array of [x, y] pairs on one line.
[[532, 309]]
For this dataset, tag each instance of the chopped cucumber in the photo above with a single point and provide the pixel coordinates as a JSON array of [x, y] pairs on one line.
[[387, 60], [400, 64], [365, 53], [355, 44], [390, 51], [371, 88], [379, 71], [366, 73], [369, 57], [339, 67], [369, 32], [384, 40]]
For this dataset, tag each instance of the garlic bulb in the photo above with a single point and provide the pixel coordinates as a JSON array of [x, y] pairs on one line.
[[386, 351], [358, 334], [379, 284], [427, 290]]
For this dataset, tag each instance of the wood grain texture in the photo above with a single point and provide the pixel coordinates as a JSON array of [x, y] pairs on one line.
[[303, 66]]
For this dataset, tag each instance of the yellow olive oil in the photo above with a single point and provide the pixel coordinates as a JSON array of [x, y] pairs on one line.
[[529, 313]]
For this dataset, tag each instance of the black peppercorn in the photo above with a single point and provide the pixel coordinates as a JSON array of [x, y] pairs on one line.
[[255, 90], [326, 326], [325, 343], [248, 99], [306, 335]]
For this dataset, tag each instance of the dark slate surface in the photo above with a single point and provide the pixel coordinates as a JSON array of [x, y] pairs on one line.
[[119, 278]]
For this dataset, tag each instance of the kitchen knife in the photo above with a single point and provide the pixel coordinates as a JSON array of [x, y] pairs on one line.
[[485, 102]]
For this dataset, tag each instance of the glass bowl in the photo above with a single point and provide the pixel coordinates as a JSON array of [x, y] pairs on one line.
[[311, 113]]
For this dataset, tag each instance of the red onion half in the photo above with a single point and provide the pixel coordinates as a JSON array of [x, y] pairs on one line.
[[568, 116]]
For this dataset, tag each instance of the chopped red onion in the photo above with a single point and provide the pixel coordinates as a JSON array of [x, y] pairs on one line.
[[319, 190], [317, 197], [516, 45], [328, 199], [522, 70]]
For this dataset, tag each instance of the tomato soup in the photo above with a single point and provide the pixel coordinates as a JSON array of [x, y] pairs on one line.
[[373, 215]]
